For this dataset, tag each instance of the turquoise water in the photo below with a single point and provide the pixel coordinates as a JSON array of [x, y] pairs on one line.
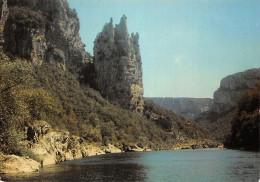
[[201, 165]]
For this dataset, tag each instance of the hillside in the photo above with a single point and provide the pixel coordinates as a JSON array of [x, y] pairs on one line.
[[179, 127], [188, 108], [44, 93]]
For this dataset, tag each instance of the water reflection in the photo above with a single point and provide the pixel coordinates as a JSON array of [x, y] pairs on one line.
[[110, 167], [182, 165]]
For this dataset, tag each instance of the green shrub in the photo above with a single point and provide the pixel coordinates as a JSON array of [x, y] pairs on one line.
[[245, 123], [25, 152]]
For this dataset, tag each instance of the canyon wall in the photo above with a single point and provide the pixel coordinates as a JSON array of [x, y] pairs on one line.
[[232, 87], [44, 31], [218, 119]]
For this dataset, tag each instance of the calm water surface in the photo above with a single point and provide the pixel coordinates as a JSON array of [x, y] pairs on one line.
[[180, 165]]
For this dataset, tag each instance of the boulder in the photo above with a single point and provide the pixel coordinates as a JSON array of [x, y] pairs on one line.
[[112, 149], [16, 164]]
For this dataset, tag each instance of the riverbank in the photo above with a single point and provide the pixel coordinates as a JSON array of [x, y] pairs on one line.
[[48, 146], [165, 165], [24, 164]]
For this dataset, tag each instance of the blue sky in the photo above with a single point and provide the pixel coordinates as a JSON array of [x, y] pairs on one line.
[[187, 46]]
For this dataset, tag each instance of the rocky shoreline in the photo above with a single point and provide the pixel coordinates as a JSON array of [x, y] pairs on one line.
[[11, 164], [23, 164]]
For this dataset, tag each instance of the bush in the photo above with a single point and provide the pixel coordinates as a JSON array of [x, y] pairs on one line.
[[26, 152], [245, 123]]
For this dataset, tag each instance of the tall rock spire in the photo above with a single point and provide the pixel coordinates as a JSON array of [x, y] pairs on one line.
[[118, 66]]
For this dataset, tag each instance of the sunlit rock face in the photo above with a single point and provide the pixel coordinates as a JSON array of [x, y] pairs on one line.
[[232, 87], [44, 31], [118, 66]]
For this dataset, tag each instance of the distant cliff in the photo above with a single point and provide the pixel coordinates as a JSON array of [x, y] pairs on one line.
[[218, 119], [232, 87], [44, 31], [189, 108], [118, 66]]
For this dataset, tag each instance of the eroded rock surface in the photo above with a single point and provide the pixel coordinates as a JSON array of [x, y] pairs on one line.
[[232, 87], [44, 31], [218, 119], [16, 164], [118, 66]]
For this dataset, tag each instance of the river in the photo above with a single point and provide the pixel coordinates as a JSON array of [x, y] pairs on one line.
[[200, 165]]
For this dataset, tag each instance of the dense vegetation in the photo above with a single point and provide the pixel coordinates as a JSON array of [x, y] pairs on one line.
[[218, 124], [30, 93], [173, 123], [245, 123], [23, 16]]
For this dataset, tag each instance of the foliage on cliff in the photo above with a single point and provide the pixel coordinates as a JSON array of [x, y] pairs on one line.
[[245, 122], [29, 93], [23, 16]]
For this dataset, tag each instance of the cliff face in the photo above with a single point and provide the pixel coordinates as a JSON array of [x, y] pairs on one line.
[[232, 87], [118, 66], [44, 31], [218, 119], [189, 108]]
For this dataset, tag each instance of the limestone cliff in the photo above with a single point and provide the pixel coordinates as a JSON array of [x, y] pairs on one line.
[[218, 119], [118, 66], [189, 108], [232, 87], [44, 31]]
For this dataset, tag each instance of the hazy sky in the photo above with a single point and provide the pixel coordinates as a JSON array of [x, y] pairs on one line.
[[187, 46]]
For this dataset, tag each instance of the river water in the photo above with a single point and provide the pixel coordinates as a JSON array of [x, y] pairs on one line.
[[200, 165]]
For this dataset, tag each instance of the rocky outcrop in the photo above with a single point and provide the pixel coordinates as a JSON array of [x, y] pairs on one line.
[[56, 146], [232, 87], [189, 108], [16, 164], [118, 66], [112, 149], [44, 31]]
